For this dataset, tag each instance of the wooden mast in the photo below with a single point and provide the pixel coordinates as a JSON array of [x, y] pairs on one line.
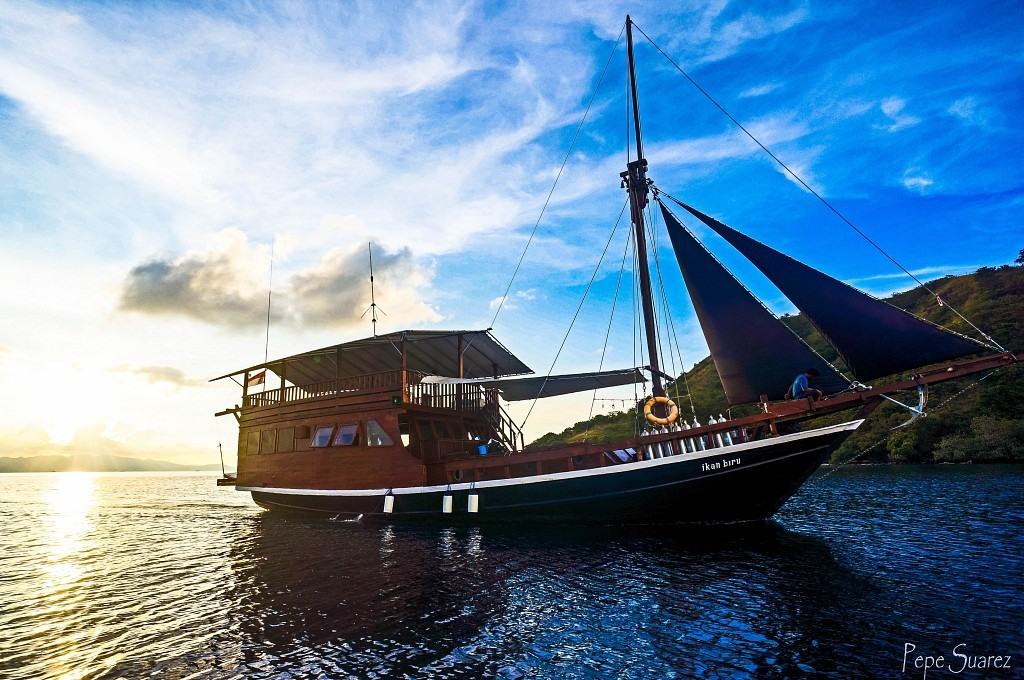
[[634, 179]]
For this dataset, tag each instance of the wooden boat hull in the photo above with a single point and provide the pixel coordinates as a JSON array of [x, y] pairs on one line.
[[744, 482]]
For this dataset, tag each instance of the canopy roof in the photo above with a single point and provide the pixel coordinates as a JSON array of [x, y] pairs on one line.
[[536, 387], [432, 352]]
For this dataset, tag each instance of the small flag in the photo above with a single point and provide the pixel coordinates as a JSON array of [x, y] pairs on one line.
[[257, 378]]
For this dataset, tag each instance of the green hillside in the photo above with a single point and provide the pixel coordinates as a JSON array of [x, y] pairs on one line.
[[986, 423]]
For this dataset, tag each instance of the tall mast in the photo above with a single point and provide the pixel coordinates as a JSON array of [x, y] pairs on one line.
[[634, 180]]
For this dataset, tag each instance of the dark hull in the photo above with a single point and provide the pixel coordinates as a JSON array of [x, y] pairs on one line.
[[740, 483]]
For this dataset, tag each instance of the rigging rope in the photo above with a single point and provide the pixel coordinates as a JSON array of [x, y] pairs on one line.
[[659, 319], [821, 198], [558, 176], [885, 439], [636, 333], [674, 335], [608, 333], [575, 316]]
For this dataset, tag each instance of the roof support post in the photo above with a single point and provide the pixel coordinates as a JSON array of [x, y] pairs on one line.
[[405, 373], [337, 370], [280, 398], [245, 388], [460, 368]]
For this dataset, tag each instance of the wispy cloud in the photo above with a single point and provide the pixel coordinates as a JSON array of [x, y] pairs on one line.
[[932, 271], [917, 181], [898, 119], [163, 374], [509, 303], [760, 90], [971, 111]]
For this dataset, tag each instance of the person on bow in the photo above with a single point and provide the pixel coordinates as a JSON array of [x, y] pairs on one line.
[[801, 387]]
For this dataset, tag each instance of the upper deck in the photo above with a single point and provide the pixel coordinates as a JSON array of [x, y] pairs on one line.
[[408, 385]]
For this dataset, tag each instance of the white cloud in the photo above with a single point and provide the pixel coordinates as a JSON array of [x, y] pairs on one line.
[[917, 183], [223, 285], [940, 270], [276, 122], [760, 90], [917, 180], [970, 110], [893, 108]]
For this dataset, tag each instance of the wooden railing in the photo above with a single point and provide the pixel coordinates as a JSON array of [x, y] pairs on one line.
[[451, 396], [327, 390], [475, 399], [506, 430]]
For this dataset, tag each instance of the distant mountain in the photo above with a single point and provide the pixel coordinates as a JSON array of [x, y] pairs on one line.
[[986, 423], [93, 463]]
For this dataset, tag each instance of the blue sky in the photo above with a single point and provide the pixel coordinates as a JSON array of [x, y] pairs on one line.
[[150, 154]]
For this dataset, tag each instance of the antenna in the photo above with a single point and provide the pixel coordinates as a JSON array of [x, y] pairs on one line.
[[373, 301], [270, 284]]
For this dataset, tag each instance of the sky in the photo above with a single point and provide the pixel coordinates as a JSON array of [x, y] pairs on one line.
[[152, 155]]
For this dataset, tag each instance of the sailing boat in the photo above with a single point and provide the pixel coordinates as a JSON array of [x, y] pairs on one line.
[[410, 425]]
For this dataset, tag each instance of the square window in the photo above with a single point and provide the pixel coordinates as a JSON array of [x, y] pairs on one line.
[[348, 434], [252, 442], [286, 440], [322, 436], [268, 441], [376, 436]]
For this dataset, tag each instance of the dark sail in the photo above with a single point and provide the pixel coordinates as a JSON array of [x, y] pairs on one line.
[[874, 337], [754, 352]]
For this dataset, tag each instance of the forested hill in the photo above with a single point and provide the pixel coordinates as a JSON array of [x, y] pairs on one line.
[[986, 423]]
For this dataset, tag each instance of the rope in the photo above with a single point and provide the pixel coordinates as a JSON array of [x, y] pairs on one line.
[[821, 198], [575, 316], [874, 446], [635, 323], [608, 333], [673, 334], [558, 176]]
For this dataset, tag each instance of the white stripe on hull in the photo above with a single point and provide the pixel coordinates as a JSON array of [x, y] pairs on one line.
[[534, 479]]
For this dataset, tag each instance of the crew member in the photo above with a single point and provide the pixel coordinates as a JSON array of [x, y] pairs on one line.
[[801, 388]]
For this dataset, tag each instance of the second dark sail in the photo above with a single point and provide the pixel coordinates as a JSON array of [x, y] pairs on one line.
[[754, 352], [873, 337]]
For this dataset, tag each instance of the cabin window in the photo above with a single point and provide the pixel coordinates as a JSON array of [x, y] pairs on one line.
[[286, 440], [268, 441], [322, 436], [252, 442], [348, 435], [376, 436]]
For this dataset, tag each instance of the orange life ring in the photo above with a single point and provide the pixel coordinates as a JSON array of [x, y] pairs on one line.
[[673, 411]]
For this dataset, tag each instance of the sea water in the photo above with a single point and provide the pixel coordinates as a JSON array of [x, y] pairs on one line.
[[166, 575]]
